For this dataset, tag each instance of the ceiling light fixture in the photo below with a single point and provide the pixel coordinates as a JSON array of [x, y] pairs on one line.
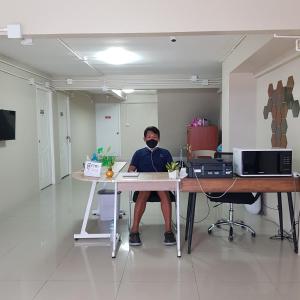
[[117, 56], [128, 91], [118, 92]]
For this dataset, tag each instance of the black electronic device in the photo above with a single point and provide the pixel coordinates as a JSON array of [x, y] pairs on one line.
[[7, 125], [209, 168]]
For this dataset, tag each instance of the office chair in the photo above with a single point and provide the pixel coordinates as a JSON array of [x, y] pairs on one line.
[[231, 198], [152, 198]]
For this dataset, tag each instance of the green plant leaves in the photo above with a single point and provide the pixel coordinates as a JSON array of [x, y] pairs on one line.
[[172, 166]]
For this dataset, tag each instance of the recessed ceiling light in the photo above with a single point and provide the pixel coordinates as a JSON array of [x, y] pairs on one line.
[[117, 56], [117, 92], [128, 91]]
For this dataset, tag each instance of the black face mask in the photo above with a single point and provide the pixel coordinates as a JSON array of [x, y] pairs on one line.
[[152, 143]]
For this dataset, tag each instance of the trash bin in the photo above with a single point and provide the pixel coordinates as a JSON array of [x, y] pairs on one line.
[[105, 199]]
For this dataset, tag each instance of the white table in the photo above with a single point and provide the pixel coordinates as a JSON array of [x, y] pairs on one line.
[[144, 182], [157, 181]]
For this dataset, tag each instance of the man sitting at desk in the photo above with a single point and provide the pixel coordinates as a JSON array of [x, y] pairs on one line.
[[151, 159]]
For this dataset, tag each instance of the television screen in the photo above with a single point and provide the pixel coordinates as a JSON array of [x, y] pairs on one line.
[[7, 125]]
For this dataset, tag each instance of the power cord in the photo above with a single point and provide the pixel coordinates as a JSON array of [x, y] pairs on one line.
[[213, 197]]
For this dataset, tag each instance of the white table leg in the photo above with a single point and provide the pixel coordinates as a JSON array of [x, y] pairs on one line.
[[114, 233], [83, 233], [178, 220]]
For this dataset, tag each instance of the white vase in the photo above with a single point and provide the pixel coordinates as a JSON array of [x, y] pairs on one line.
[[173, 174]]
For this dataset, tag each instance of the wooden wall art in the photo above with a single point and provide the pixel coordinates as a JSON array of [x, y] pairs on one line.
[[279, 102]]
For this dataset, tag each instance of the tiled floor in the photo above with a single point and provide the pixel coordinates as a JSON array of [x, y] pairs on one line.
[[39, 259]]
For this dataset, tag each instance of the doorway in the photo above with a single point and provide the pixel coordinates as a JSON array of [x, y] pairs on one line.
[[108, 127], [64, 134], [45, 137]]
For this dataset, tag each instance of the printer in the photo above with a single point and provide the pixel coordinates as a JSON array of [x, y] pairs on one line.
[[209, 168]]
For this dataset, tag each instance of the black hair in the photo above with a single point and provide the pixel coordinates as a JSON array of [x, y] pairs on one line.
[[153, 129]]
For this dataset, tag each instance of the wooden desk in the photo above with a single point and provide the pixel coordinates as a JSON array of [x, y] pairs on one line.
[[241, 184]]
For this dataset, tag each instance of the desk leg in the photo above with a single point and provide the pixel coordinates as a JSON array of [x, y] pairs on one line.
[[191, 221], [280, 215], [114, 231], [188, 212], [87, 212], [178, 220], [292, 219], [83, 234]]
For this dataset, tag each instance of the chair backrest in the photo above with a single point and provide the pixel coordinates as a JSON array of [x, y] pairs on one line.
[[153, 197], [238, 198], [223, 155], [203, 154]]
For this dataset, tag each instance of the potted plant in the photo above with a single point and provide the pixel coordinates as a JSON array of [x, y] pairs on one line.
[[173, 169], [106, 160]]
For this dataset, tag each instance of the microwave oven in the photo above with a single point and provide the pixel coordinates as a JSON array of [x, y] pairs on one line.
[[262, 162]]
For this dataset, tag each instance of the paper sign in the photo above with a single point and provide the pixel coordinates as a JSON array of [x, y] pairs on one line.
[[92, 169]]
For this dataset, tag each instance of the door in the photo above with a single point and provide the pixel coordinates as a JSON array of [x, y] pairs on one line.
[[108, 127], [64, 135], [135, 118], [44, 120]]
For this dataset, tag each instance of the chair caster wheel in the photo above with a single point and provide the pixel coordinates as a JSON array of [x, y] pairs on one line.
[[218, 226], [230, 238], [209, 231], [253, 234]]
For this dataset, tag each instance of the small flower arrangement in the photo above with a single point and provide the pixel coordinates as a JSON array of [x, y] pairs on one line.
[[198, 122]]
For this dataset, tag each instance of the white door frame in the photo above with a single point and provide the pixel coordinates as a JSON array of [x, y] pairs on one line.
[[50, 101], [69, 132]]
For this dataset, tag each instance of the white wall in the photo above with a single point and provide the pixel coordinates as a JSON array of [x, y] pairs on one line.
[[83, 128], [177, 108], [19, 178], [143, 16], [242, 119], [263, 132], [137, 112], [247, 48]]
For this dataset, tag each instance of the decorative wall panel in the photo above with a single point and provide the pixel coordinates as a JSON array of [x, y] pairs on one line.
[[280, 101]]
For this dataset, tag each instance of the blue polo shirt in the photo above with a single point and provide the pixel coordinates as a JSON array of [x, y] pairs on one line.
[[146, 160]]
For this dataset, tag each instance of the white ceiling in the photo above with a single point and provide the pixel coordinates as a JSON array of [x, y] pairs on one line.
[[194, 55]]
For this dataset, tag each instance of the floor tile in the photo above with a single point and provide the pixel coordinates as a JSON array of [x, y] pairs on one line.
[[77, 290], [150, 290], [19, 290], [215, 290]]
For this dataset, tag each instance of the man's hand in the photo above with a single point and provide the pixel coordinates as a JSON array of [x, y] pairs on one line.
[[131, 168]]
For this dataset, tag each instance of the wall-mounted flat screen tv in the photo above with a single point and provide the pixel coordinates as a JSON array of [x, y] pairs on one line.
[[7, 125]]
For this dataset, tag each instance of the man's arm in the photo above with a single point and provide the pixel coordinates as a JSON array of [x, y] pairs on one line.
[[134, 163]]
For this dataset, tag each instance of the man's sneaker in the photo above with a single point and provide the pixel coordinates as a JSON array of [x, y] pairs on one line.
[[134, 239], [169, 238]]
